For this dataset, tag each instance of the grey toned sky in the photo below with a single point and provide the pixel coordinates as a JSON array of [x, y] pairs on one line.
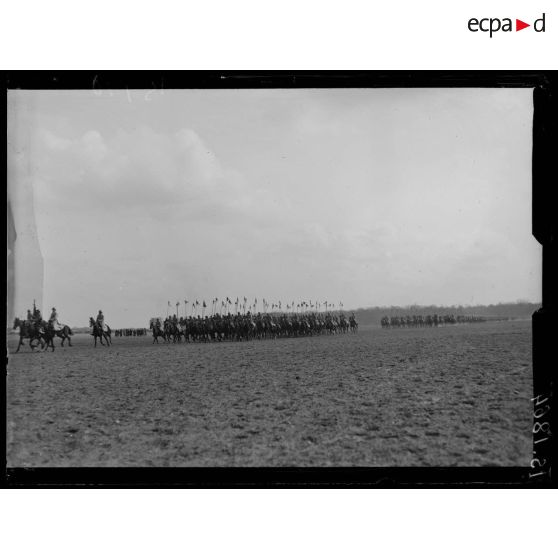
[[369, 197]]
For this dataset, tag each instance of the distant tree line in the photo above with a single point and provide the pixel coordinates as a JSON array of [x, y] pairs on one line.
[[502, 311]]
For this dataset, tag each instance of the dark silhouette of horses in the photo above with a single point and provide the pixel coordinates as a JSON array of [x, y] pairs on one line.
[[98, 332], [47, 334], [431, 320], [28, 330], [172, 331], [157, 331], [246, 327], [64, 333]]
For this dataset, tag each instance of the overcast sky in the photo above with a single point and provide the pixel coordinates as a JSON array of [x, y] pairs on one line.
[[369, 197]]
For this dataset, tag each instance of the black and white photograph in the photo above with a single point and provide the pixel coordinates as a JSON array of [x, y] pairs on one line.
[[270, 277]]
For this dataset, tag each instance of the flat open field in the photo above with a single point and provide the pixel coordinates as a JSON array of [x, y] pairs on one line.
[[455, 395]]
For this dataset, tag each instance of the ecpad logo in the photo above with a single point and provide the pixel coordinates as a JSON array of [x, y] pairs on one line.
[[493, 25]]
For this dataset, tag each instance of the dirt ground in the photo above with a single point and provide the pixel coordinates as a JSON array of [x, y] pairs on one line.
[[449, 396]]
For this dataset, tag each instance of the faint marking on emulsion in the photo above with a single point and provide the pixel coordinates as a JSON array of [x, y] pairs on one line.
[[25, 258], [28, 278], [12, 236]]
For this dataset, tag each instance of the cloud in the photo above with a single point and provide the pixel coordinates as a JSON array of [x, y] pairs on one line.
[[137, 168]]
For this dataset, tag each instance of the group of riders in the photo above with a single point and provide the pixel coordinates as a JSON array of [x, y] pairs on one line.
[[427, 321], [225, 327], [216, 327], [42, 332], [248, 326]]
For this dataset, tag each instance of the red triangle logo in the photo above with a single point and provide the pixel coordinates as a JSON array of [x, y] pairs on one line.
[[519, 25]]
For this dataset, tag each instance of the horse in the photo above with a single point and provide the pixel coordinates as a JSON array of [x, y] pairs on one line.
[[99, 332], [64, 333], [353, 324], [173, 332], [158, 332], [28, 330], [343, 324], [47, 333]]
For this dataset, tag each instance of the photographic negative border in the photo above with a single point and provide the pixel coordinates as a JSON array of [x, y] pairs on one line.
[[545, 144]]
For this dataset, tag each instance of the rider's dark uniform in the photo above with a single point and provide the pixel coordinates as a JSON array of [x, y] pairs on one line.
[[38, 318]]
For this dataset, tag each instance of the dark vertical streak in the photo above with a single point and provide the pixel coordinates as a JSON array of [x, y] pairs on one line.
[[545, 148]]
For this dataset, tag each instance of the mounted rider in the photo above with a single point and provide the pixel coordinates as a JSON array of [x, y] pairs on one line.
[[101, 321], [37, 317], [32, 322], [53, 320]]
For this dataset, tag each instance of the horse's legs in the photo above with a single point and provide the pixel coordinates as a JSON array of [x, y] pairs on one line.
[[20, 344]]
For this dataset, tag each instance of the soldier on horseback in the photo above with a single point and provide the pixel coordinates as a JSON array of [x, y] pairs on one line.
[[53, 320], [101, 320], [37, 317]]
